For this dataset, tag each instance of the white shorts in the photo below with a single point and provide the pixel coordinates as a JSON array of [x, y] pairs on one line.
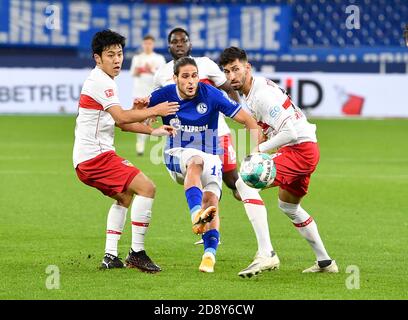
[[176, 160]]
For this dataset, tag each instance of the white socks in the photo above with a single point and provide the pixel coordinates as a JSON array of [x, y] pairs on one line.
[[257, 214], [141, 213], [115, 224], [306, 227]]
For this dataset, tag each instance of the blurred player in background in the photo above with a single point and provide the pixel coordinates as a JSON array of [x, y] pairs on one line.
[[286, 129], [143, 67], [94, 157], [192, 157], [209, 72]]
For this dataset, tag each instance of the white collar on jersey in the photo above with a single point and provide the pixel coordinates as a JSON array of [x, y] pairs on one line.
[[178, 93]]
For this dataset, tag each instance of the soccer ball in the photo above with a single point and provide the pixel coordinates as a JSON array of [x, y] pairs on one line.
[[258, 170]]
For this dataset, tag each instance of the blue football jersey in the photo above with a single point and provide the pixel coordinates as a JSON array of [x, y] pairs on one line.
[[197, 119]]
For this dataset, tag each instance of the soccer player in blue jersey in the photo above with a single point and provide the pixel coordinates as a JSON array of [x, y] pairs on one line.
[[192, 156]]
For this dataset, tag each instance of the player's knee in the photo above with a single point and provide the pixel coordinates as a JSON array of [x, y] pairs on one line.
[[150, 190], [290, 209], [124, 199], [195, 162]]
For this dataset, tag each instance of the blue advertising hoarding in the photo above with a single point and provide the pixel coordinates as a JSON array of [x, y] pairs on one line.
[[71, 24]]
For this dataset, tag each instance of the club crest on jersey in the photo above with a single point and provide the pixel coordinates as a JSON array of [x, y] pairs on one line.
[[109, 93], [202, 108], [175, 123]]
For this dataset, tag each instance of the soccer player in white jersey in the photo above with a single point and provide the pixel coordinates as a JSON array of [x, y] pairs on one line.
[[287, 130], [94, 157], [209, 72], [143, 67]]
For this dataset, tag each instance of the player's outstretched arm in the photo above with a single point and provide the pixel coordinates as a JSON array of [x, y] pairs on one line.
[[287, 134], [122, 117], [164, 130], [250, 124]]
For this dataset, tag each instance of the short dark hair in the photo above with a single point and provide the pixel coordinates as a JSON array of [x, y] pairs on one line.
[[149, 37], [177, 30], [184, 61], [231, 54], [104, 39]]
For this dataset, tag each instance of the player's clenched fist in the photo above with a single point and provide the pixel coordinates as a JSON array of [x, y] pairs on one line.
[[166, 108]]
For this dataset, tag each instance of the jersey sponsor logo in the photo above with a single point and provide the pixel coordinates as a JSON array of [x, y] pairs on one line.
[[187, 128], [109, 93], [274, 112], [202, 108]]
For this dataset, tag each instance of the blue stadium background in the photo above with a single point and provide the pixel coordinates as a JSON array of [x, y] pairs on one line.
[[319, 39]]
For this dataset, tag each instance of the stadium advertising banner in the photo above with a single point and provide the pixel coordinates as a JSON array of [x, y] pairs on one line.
[[29, 90], [347, 95], [323, 95], [260, 29]]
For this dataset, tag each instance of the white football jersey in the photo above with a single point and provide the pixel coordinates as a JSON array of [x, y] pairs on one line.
[[208, 72], [95, 127], [272, 107], [143, 83]]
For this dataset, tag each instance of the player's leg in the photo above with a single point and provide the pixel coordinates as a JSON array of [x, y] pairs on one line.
[[230, 178], [194, 193], [210, 235], [307, 227], [140, 143], [229, 162], [110, 174], [141, 214], [114, 228], [212, 187], [265, 258]]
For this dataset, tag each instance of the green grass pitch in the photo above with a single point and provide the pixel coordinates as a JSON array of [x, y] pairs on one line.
[[358, 196]]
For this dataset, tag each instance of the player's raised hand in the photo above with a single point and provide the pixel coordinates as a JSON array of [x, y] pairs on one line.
[[141, 103], [166, 108], [164, 130]]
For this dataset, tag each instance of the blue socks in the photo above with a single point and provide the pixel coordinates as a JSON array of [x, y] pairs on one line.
[[194, 198], [211, 239]]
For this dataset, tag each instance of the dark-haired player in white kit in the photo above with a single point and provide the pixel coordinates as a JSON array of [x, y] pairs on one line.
[[96, 162], [286, 129]]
